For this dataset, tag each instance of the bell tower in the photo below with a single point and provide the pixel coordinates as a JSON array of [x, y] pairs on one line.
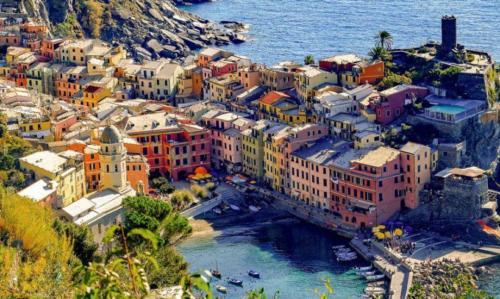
[[113, 157]]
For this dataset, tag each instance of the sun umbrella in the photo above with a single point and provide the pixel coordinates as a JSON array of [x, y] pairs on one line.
[[398, 232]]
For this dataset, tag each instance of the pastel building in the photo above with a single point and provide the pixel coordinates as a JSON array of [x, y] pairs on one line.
[[310, 171], [368, 186], [279, 77], [389, 105], [279, 147], [65, 169], [417, 165], [252, 144], [311, 78], [172, 145], [353, 70]]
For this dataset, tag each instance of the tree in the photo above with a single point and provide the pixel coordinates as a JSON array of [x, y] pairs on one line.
[[84, 247], [308, 60], [181, 199], [379, 53], [162, 185], [393, 79], [383, 39], [145, 212]]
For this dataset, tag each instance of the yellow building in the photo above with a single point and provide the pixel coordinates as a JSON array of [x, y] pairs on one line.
[[66, 169], [279, 107], [36, 127], [273, 157], [14, 52], [310, 79], [92, 95]]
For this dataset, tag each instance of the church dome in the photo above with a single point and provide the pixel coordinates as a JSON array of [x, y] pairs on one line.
[[111, 135]]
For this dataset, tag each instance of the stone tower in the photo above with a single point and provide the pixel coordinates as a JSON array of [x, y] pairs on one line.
[[448, 33], [113, 156]]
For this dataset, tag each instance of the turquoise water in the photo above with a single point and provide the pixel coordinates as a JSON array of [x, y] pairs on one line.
[[290, 29], [450, 109], [292, 258]]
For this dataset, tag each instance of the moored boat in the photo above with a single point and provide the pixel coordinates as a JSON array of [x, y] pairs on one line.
[[362, 269], [220, 288], [235, 282], [338, 247], [254, 274], [216, 273], [254, 208], [234, 207], [217, 211], [375, 277], [368, 273]]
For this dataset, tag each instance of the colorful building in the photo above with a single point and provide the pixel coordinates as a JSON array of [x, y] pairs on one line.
[[92, 95], [172, 145], [311, 78], [353, 70], [252, 144], [417, 163]]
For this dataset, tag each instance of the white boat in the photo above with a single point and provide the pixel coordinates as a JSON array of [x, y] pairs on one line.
[[379, 283], [344, 251], [217, 211], [361, 269], [336, 247], [375, 277], [208, 273], [254, 208], [221, 289], [369, 273], [346, 254], [234, 207], [346, 259], [371, 290]]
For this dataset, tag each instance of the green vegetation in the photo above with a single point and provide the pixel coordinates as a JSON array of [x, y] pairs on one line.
[[383, 39], [68, 28], [199, 191], [211, 186], [181, 199], [422, 133], [380, 53], [308, 60], [11, 149], [84, 247], [35, 262], [392, 79], [162, 185]]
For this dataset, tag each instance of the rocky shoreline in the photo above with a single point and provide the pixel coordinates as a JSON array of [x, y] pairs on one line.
[[148, 29]]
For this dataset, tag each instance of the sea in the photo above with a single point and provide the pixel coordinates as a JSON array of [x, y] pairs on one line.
[[294, 258], [291, 29]]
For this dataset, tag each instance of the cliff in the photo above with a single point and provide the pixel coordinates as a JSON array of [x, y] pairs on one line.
[[148, 28]]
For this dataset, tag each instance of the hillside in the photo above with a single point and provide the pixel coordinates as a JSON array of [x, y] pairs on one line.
[[149, 28]]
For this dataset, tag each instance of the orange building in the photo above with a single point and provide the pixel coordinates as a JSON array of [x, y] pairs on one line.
[[138, 173], [249, 77], [48, 47]]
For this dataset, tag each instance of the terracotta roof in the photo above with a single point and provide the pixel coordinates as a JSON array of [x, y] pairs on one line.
[[273, 96], [93, 89]]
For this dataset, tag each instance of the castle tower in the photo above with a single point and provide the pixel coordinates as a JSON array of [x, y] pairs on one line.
[[448, 33], [113, 157]]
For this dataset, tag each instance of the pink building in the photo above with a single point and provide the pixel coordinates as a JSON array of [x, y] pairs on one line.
[[416, 161], [310, 171], [389, 105], [61, 124], [368, 187], [225, 129]]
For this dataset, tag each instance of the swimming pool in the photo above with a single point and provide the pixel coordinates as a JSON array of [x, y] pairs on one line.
[[447, 109]]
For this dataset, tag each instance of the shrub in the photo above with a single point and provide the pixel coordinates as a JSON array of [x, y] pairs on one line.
[[145, 212], [199, 191], [181, 199], [210, 186]]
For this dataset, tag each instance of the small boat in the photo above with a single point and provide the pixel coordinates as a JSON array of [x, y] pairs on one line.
[[215, 272], [369, 273], [361, 269], [346, 259], [374, 290], [220, 289], [254, 208], [345, 251], [375, 277], [235, 282], [346, 254], [338, 247], [234, 207], [254, 274], [208, 273], [217, 211], [379, 283]]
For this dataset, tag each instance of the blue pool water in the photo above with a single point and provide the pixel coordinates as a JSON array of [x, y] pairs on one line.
[[449, 109], [292, 257], [290, 29]]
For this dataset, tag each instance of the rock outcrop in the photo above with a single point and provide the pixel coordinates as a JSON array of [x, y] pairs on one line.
[[148, 28]]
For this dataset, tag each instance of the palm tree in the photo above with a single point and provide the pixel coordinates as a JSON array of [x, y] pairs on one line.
[[379, 53], [383, 39], [309, 59]]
